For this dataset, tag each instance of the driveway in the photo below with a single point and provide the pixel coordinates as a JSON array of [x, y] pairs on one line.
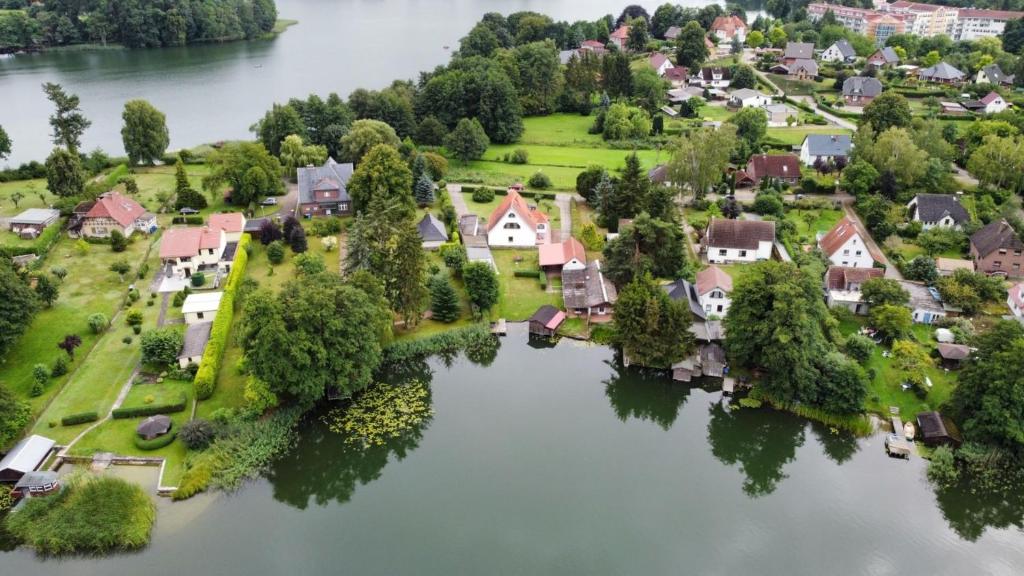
[[562, 201]]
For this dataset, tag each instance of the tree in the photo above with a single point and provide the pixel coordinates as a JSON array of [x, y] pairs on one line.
[[277, 124], [275, 252], [67, 121], [118, 241], [647, 246], [14, 415], [144, 134], [888, 110], [5, 144], [161, 347], [69, 343], [16, 197], [859, 178], [18, 304], [910, 360], [98, 322], [883, 291], [638, 35], [998, 162], [891, 321], [430, 132], [184, 194], [691, 51], [587, 180], [616, 75], [269, 232], [859, 347], [444, 302], [481, 41], [751, 126], [649, 91], [624, 122], [382, 174], [297, 240], [698, 162], [234, 165], [467, 141], [922, 269], [651, 328], [424, 190], [537, 76], [309, 264], [64, 174], [197, 434], [743, 77], [363, 136], [296, 154], [47, 290], [895, 153], [843, 385], [481, 285]]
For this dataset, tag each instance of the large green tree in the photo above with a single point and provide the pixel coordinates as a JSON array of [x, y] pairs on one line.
[[468, 141], [248, 168], [382, 174], [882, 291], [363, 136], [537, 76], [691, 51], [698, 161], [184, 194], [651, 328], [278, 123], [67, 121], [295, 154], [481, 285], [646, 246], [14, 416], [473, 87], [18, 304], [144, 133], [5, 144], [65, 176], [889, 110]]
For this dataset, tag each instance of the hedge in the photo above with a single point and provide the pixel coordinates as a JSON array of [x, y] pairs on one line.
[[543, 280], [151, 409], [80, 418], [206, 376], [524, 273], [40, 246], [156, 443], [187, 220]]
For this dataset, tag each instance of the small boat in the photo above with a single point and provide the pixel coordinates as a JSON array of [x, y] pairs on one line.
[[908, 430]]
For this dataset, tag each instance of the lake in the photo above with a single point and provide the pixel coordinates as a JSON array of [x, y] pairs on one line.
[[555, 460], [215, 92]]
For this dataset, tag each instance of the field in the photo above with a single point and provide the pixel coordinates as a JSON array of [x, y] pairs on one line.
[[520, 297], [34, 192], [794, 135]]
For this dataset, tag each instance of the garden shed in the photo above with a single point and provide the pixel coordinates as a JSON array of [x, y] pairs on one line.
[[154, 427], [934, 429], [26, 456], [546, 320]]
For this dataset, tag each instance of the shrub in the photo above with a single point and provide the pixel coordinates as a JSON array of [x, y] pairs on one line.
[[942, 469], [179, 298], [206, 376], [483, 195], [198, 279], [519, 156], [137, 329], [80, 418], [98, 322], [133, 318], [454, 256], [118, 243], [275, 252], [329, 243], [197, 434], [150, 409], [37, 389], [859, 347], [59, 271], [539, 180], [325, 227], [149, 399], [524, 273], [127, 339], [6, 499], [60, 367], [156, 443]]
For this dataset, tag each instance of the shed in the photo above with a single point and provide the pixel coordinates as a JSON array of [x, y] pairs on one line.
[[37, 484], [952, 354], [201, 307], [934, 429], [154, 426], [432, 232], [194, 344], [25, 457], [546, 320]]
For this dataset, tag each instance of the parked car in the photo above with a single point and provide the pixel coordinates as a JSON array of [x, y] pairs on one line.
[[271, 201], [186, 211]]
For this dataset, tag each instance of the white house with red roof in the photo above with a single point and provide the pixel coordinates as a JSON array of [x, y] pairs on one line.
[[844, 245], [1015, 300], [232, 223], [112, 211], [713, 289], [660, 63], [619, 37], [567, 255], [210, 248], [515, 224], [994, 103], [728, 27]]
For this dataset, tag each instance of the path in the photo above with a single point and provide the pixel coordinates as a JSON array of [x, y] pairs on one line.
[[455, 194], [964, 177], [891, 271], [342, 252], [833, 119], [563, 201]]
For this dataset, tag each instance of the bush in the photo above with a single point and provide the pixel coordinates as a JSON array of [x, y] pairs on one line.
[[275, 252], [519, 156], [197, 434], [98, 322], [325, 227], [127, 339], [179, 298], [859, 347], [60, 367], [150, 409], [156, 443], [118, 243], [539, 180], [80, 418], [483, 195], [206, 376], [133, 318], [198, 279], [524, 273]]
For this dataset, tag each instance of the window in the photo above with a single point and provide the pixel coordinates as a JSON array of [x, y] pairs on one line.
[[199, 315], [743, 253], [719, 307], [844, 263], [846, 252], [1002, 251], [510, 240], [600, 310], [997, 264], [512, 226], [511, 215], [723, 252], [858, 252], [707, 307]]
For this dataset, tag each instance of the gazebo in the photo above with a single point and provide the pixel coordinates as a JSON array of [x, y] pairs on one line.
[[154, 426]]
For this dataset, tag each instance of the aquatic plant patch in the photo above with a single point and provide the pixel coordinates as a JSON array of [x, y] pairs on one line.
[[382, 412]]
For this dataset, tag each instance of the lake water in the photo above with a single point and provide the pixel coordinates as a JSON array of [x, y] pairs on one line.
[[553, 460], [215, 92]]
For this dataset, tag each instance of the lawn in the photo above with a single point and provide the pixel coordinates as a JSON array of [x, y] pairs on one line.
[[824, 221], [117, 436], [798, 87], [794, 135], [34, 192], [520, 297], [560, 130], [715, 113], [909, 250]]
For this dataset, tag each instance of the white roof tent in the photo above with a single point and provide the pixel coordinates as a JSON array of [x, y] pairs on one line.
[[204, 302], [26, 456]]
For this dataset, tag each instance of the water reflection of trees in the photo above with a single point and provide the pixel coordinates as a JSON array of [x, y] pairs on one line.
[[971, 510], [761, 442], [326, 468], [838, 445], [633, 395]]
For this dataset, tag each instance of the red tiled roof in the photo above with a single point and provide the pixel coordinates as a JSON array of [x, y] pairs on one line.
[[187, 242], [773, 166], [229, 222], [117, 206], [990, 98], [562, 252], [676, 73], [592, 44], [657, 59], [840, 277], [840, 233], [515, 202], [728, 24], [994, 14], [621, 33], [713, 277]]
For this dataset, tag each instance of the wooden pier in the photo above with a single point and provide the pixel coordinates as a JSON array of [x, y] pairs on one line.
[[896, 444]]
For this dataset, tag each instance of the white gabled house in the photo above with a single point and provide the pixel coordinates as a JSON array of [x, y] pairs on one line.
[[514, 224], [739, 240], [839, 51], [844, 245], [747, 98], [713, 289], [937, 211]]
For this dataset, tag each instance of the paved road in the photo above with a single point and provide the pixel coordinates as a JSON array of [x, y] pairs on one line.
[[455, 193], [834, 120]]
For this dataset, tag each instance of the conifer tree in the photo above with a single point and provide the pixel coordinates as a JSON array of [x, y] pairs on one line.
[[444, 302], [424, 190]]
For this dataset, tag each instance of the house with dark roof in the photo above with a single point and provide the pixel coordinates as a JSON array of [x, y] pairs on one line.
[[860, 90], [941, 73], [37, 483], [432, 232], [783, 168], [514, 223], [996, 249], [799, 69], [826, 148], [672, 33], [840, 51], [844, 245], [883, 57], [739, 240], [112, 211], [952, 355], [842, 287], [587, 293], [937, 211], [797, 51], [991, 103], [546, 320], [683, 289], [712, 77], [323, 190], [677, 76], [993, 74]]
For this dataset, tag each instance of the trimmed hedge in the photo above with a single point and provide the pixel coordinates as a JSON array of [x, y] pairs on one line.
[[206, 376], [156, 443], [524, 273], [80, 418], [543, 277], [150, 410], [187, 220]]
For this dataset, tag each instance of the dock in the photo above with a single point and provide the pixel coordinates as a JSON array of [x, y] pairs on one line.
[[499, 328], [896, 444], [728, 385]]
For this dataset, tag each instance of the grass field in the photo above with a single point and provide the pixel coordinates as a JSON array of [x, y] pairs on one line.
[[794, 135], [117, 436], [824, 221], [34, 192], [520, 297]]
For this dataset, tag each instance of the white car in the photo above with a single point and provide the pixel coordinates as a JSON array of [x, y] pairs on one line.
[[271, 201]]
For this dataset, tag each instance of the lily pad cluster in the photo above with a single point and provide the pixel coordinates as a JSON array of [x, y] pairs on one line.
[[381, 413]]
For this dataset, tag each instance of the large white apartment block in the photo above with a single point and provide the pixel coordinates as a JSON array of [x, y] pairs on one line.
[[921, 19]]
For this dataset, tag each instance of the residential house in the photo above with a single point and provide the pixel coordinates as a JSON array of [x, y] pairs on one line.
[[709, 358], [619, 37], [844, 245], [780, 167], [660, 63], [112, 211], [593, 46], [739, 240], [748, 98], [800, 69], [952, 108], [937, 211], [839, 51], [842, 287], [474, 238], [826, 148], [186, 251], [728, 28], [941, 73], [993, 103], [514, 223], [31, 223], [192, 348], [712, 77], [778, 114], [323, 190], [26, 456], [797, 51], [860, 90], [883, 57], [1015, 300], [232, 223], [677, 76], [432, 232], [713, 289], [201, 307], [993, 74], [587, 293], [559, 256], [672, 33], [949, 266], [546, 320], [925, 302], [37, 483], [996, 249]]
